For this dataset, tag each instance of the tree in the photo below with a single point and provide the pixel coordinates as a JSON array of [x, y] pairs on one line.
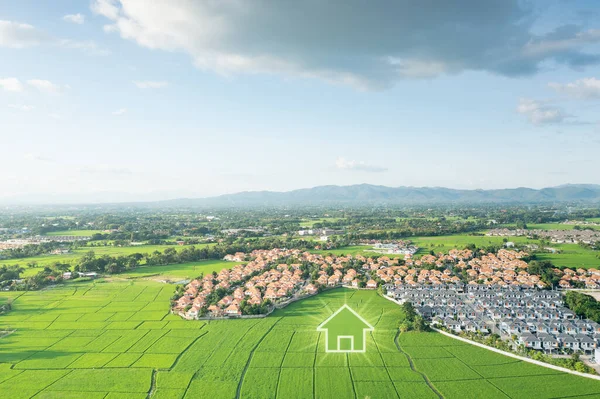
[[409, 311]]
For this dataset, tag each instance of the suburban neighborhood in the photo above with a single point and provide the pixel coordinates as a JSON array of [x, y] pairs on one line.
[[535, 319]]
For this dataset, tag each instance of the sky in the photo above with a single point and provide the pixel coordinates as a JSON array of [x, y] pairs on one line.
[[119, 100]]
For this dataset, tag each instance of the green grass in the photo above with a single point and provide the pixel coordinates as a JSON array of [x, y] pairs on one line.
[[181, 270], [311, 222], [124, 333]]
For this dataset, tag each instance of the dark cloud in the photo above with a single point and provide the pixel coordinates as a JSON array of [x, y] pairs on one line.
[[365, 44]]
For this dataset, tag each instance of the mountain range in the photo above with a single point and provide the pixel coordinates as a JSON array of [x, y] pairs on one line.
[[367, 194], [354, 195]]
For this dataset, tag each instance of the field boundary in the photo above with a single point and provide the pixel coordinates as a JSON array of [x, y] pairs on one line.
[[413, 368], [522, 358], [239, 387]]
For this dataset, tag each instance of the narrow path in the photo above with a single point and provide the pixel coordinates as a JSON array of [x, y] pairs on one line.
[[152, 384], [186, 349], [385, 365], [412, 367], [351, 376], [281, 364], [314, 369], [239, 387]]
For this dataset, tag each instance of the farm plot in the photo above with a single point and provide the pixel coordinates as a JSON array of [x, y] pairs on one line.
[[108, 340]]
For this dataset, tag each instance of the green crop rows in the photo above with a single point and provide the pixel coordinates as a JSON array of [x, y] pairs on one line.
[[118, 340]]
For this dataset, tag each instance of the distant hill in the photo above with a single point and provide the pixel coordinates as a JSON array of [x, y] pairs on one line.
[[367, 194]]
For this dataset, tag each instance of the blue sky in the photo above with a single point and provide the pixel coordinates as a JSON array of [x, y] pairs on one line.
[[120, 100]]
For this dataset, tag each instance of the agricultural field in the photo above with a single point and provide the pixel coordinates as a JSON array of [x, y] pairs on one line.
[[71, 258], [446, 243], [118, 340]]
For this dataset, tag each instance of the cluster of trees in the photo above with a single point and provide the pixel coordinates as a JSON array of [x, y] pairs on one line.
[[544, 269], [6, 307], [31, 250], [47, 276], [248, 309], [89, 262], [571, 363], [9, 273], [493, 340], [583, 305], [412, 321]]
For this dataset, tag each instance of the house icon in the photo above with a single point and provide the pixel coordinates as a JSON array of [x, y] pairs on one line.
[[345, 331]]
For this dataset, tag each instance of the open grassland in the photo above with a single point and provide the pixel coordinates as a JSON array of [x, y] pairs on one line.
[[550, 226], [118, 340], [180, 271], [446, 243], [311, 222]]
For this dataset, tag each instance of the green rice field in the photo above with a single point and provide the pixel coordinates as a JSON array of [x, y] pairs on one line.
[[71, 258], [118, 340]]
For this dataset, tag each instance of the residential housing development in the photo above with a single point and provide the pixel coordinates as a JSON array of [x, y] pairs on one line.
[[537, 318], [555, 236], [278, 276]]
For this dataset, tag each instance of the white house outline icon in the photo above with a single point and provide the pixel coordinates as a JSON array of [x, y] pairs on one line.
[[369, 327]]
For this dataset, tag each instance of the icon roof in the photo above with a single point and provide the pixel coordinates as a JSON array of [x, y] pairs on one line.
[[367, 326]]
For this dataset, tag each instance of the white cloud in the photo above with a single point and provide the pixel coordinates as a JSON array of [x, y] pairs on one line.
[[120, 112], [88, 47], [75, 18], [23, 107], [342, 163], [404, 39], [54, 116], [150, 84], [11, 84], [539, 113], [108, 8], [44, 85], [19, 35], [583, 89]]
